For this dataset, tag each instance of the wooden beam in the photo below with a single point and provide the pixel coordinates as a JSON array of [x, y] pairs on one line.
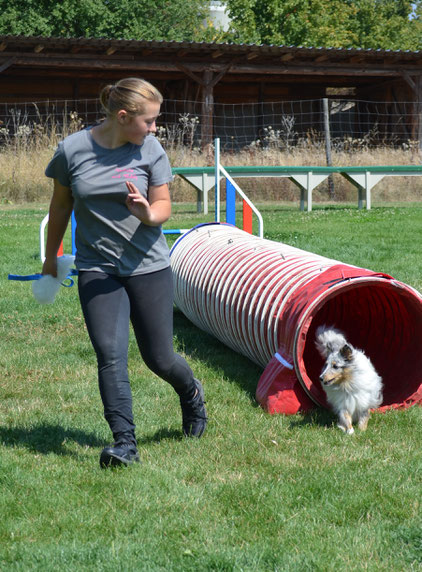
[[355, 59], [190, 73], [199, 79], [7, 64], [236, 66], [409, 80], [221, 74]]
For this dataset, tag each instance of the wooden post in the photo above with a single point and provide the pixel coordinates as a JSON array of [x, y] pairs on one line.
[[207, 82], [419, 109], [328, 145], [416, 119]]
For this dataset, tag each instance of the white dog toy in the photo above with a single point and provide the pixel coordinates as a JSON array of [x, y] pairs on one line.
[[46, 288]]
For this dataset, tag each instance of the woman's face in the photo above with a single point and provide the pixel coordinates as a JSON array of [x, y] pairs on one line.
[[134, 128]]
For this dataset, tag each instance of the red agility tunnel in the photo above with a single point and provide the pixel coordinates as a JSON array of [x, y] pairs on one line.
[[265, 300]]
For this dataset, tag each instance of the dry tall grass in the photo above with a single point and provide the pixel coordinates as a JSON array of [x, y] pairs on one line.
[[388, 190], [24, 156]]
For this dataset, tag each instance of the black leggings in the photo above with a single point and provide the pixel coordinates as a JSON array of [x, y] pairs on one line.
[[108, 303]]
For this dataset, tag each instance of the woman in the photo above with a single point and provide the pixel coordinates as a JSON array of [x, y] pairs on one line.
[[115, 177]]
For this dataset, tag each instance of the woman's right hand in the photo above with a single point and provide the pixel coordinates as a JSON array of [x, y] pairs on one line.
[[50, 266]]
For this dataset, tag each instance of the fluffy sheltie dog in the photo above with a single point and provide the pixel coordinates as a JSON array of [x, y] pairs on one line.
[[348, 378]]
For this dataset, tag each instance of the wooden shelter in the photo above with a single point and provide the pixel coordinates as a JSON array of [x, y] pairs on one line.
[[38, 69]]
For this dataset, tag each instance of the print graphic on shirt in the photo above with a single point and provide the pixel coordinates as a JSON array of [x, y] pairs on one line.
[[124, 174]]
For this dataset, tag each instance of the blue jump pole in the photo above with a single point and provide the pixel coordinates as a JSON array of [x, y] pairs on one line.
[[230, 203]]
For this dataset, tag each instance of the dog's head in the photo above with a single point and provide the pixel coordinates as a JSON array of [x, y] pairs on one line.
[[328, 340], [338, 366]]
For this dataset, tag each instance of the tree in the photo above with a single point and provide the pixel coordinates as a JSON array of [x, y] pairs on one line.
[[367, 24], [126, 19]]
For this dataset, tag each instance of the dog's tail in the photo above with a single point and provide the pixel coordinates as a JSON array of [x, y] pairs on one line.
[[329, 340]]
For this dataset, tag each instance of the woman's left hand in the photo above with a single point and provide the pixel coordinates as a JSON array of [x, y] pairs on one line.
[[153, 212], [137, 204]]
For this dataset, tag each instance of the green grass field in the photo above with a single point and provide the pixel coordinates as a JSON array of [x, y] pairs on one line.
[[256, 493]]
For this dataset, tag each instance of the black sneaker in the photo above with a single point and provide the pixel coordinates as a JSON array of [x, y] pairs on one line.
[[193, 413], [118, 454]]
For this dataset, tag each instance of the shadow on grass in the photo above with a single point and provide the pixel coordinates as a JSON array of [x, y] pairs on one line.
[[237, 368], [161, 435], [204, 347], [318, 416], [46, 438]]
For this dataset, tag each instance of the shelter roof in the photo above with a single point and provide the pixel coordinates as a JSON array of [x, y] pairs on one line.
[[97, 53]]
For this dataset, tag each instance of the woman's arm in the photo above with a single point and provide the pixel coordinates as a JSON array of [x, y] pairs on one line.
[[153, 212], [61, 207]]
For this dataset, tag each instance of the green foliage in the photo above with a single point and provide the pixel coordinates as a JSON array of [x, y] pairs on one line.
[[176, 20], [328, 23], [386, 24]]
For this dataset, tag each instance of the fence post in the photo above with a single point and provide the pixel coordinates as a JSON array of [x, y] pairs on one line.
[[207, 108], [419, 109], [328, 144]]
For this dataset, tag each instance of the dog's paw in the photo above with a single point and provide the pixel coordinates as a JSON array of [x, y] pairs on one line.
[[348, 430]]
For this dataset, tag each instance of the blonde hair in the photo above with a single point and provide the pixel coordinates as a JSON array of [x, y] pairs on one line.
[[129, 94]]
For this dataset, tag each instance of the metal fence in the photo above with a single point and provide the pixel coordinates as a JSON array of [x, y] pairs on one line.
[[350, 124]]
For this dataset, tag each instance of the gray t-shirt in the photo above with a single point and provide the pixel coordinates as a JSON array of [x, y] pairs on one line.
[[108, 237]]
